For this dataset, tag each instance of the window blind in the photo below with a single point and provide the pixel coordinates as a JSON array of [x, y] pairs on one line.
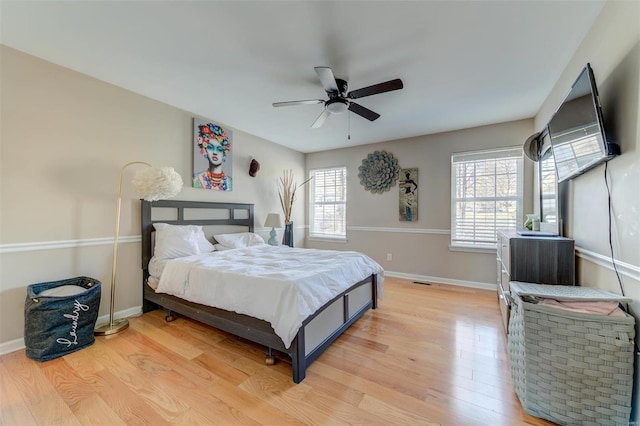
[[486, 195], [328, 203]]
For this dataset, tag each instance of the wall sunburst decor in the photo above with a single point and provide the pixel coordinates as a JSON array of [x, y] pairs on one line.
[[379, 172]]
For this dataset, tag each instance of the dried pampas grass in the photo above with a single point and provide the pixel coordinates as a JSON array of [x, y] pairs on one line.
[[287, 193]]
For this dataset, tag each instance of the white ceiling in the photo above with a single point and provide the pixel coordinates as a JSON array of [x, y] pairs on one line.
[[463, 63]]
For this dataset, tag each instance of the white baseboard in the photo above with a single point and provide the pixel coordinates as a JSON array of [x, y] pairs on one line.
[[136, 311], [11, 346], [440, 280], [18, 344]]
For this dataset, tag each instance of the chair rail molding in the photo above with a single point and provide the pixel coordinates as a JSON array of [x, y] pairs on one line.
[[626, 269], [64, 244], [399, 230]]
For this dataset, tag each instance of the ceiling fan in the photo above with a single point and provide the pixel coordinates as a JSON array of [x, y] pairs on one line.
[[339, 100]]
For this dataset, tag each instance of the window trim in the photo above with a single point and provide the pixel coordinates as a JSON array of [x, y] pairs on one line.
[[492, 153], [321, 236]]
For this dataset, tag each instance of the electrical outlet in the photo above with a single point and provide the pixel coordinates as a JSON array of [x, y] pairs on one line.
[[389, 256]]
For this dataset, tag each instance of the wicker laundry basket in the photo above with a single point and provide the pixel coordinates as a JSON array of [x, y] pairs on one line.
[[569, 367]]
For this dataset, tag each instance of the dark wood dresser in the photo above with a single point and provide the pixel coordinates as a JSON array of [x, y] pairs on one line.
[[532, 259]]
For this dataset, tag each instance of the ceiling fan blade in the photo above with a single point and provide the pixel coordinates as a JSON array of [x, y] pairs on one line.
[[291, 103], [321, 119], [387, 86], [328, 80], [363, 112]]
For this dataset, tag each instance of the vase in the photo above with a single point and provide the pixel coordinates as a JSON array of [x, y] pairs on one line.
[[528, 224], [287, 238]]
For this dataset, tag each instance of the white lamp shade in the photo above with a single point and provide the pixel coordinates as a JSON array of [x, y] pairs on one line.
[[274, 220], [154, 184]]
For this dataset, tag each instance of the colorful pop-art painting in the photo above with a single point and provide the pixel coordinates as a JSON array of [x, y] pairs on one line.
[[212, 156]]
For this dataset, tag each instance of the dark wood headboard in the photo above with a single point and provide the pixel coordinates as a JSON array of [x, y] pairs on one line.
[[190, 213]]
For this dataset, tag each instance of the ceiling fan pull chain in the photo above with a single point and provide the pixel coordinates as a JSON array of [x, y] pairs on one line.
[[349, 126]]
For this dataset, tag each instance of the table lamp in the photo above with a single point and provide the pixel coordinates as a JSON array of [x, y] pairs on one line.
[[274, 220]]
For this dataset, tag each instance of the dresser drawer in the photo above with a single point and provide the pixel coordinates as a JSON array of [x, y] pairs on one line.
[[504, 299], [504, 251], [504, 281], [503, 277]]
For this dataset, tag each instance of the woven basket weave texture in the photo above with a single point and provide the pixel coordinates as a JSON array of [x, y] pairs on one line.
[[570, 367]]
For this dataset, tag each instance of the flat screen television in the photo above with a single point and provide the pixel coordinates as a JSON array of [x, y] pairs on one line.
[[577, 132]]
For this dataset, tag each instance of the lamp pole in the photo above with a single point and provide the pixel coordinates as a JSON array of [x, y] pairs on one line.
[[115, 326]]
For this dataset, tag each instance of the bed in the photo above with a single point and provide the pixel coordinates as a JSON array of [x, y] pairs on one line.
[[317, 330]]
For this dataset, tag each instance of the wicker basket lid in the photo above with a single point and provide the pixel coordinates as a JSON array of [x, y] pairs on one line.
[[565, 292]]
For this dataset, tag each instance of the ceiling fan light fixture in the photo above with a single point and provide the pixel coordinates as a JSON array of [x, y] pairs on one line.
[[337, 106], [340, 100]]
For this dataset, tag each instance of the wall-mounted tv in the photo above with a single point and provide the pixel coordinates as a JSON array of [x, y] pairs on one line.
[[577, 132]]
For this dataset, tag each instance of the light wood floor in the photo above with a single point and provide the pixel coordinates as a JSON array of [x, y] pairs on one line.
[[429, 355]]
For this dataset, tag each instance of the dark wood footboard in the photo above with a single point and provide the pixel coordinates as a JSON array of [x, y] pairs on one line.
[[260, 331], [317, 332]]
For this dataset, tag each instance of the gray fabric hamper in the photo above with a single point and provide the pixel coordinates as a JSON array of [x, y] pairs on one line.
[[59, 320], [570, 367]]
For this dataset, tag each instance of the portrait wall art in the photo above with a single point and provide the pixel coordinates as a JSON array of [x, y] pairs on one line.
[[212, 156], [408, 184]]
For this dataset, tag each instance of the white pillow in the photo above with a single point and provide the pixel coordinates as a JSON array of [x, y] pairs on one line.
[[239, 239], [204, 245], [220, 247], [175, 241]]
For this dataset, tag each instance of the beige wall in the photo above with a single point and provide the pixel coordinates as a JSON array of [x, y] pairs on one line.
[[612, 46], [420, 250], [64, 138]]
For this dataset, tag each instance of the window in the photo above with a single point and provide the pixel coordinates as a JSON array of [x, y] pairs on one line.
[[486, 194], [328, 209]]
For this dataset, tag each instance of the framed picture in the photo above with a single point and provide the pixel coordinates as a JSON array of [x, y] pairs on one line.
[[408, 184], [212, 156]]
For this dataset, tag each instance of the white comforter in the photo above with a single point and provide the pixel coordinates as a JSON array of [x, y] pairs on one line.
[[278, 284]]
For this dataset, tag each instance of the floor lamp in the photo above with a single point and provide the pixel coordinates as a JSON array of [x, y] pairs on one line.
[[151, 184]]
